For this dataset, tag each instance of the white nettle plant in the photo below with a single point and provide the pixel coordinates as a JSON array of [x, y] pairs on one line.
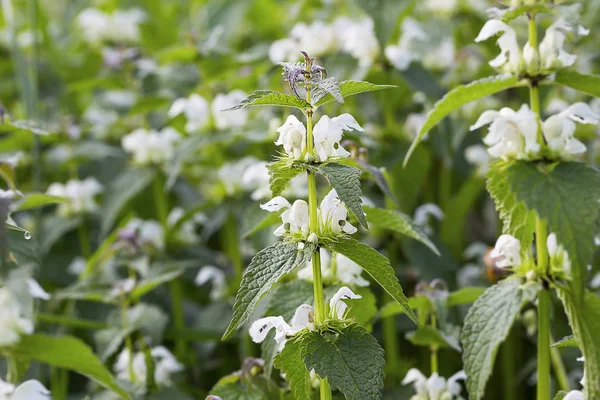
[[80, 196], [165, 365], [150, 147], [28, 390], [346, 271], [435, 387]]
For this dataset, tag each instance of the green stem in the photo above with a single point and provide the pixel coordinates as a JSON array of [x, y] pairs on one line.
[[128, 341], [434, 349], [83, 238], [559, 368], [390, 344], [159, 202], [543, 359], [541, 234], [507, 354]]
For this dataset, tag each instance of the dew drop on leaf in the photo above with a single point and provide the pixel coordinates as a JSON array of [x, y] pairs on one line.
[[27, 235]]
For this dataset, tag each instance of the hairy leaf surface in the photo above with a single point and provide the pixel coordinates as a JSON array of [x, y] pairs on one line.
[[350, 88], [291, 363], [589, 84], [270, 98]]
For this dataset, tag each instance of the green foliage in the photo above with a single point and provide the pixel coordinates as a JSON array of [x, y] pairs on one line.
[[346, 181], [270, 98], [323, 88], [156, 277], [29, 127], [351, 360], [37, 200], [350, 88], [515, 12], [589, 84], [487, 325], [266, 268], [272, 218], [461, 296], [377, 266], [584, 318], [567, 341], [282, 172], [460, 96], [66, 352], [429, 336], [399, 223], [291, 363], [23, 247]]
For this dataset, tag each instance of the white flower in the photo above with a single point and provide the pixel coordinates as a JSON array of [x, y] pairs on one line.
[[328, 133], [122, 287], [574, 395], [559, 130], [12, 320], [511, 134], [552, 55], [337, 307], [303, 319], [559, 258], [229, 119], [333, 214], [443, 7], [509, 58], [424, 213], [165, 364], [283, 50], [77, 266], [316, 39], [349, 272], [187, 230], [507, 252], [147, 233], [306, 272], [120, 26], [196, 111], [434, 387], [28, 390], [357, 37], [256, 178], [295, 218], [583, 380], [216, 276], [151, 147], [35, 290], [79, 193], [292, 136], [94, 23], [478, 156], [231, 174], [402, 55]]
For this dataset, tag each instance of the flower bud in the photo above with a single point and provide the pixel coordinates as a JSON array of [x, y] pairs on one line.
[[532, 59], [313, 238], [300, 245], [531, 275], [309, 158]]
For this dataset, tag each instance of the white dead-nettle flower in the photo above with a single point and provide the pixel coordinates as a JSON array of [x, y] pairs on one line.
[[231, 174], [28, 390], [120, 26], [507, 252], [80, 195], [552, 55], [303, 319], [328, 133], [99, 120], [583, 380], [165, 365], [574, 395], [151, 147], [283, 50], [256, 178], [559, 258], [509, 59], [333, 214], [13, 322], [337, 306], [478, 156], [559, 130], [316, 39], [35, 290], [435, 387], [347, 271], [123, 287], [357, 38], [229, 119], [512, 134], [196, 111], [426, 214], [216, 277], [292, 136], [295, 218], [146, 233], [443, 7], [187, 230], [77, 266]]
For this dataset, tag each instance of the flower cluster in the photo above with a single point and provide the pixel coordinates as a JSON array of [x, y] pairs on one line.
[[514, 134], [355, 37], [151, 147], [303, 319], [339, 269], [550, 56], [122, 26], [332, 216], [165, 365], [79, 194], [435, 387]]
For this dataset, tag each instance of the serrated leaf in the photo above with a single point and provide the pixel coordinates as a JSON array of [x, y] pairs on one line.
[[350, 88], [291, 363], [122, 189], [566, 195], [66, 352], [515, 12], [266, 268], [584, 318], [324, 87], [486, 326], [352, 361], [460, 96], [270, 98], [429, 336], [281, 173], [517, 220], [377, 266], [398, 222], [346, 182], [567, 341], [589, 84]]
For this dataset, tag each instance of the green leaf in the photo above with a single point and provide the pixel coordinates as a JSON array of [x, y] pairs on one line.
[[465, 295], [560, 395], [290, 362], [270, 98], [22, 246], [584, 318], [517, 220], [125, 187], [350, 88], [460, 96], [346, 182], [282, 172], [266, 268], [377, 266], [37, 200], [286, 297], [327, 86], [155, 278], [364, 309], [231, 387], [352, 361], [589, 84], [566, 195], [66, 352], [515, 12], [23, 126], [399, 223], [272, 218], [378, 176], [487, 325], [567, 341], [429, 336]]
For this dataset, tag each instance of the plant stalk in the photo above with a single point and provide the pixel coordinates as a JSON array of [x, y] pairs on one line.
[[560, 372], [543, 358], [434, 348]]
